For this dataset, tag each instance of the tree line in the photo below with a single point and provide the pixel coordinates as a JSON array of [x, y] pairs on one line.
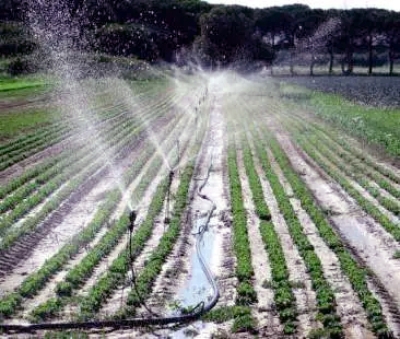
[[216, 35]]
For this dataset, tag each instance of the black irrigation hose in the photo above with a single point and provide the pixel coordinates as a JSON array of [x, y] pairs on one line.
[[195, 314]]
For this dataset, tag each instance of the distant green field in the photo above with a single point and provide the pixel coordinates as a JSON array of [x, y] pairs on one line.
[[373, 124], [21, 87], [14, 123]]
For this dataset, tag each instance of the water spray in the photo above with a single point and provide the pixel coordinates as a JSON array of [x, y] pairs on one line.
[[154, 320]]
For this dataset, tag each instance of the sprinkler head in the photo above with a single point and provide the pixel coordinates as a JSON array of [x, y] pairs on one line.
[[132, 218]]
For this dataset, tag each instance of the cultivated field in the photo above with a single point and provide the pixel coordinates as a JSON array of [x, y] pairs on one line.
[[296, 194]]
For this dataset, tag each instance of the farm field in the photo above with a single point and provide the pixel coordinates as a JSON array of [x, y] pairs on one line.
[[291, 197]]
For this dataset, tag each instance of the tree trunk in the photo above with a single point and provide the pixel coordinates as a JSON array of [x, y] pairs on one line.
[[342, 64], [370, 55], [348, 59], [292, 54], [391, 61], [312, 63], [330, 62]]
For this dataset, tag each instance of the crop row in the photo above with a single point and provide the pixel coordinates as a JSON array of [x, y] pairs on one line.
[[121, 136], [353, 166], [357, 166], [326, 303], [41, 140], [107, 132], [42, 175], [382, 176], [359, 173], [30, 223], [26, 205], [146, 277], [44, 142], [82, 271], [116, 273], [78, 275], [374, 125], [36, 280], [385, 178], [61, 161], [357, 275], [53, 167], [283, 295], [105, 286], [27, 176], [246, 294], [29, 141], [332, 135], [32, 140], [364, 203], [28, 145]]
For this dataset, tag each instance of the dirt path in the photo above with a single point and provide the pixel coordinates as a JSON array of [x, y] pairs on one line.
[[211, 175]]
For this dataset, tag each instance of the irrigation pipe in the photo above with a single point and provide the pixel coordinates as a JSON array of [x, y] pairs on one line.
[[198, 311]]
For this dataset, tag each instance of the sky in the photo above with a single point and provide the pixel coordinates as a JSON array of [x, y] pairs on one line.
[[324, 4]]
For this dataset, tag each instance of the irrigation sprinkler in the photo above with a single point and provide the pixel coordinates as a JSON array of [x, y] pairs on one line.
[[178, 153], [132, 219], [167, 200], [154, 319]]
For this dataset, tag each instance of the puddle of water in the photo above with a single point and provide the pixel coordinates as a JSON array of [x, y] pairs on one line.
[[197, 288]]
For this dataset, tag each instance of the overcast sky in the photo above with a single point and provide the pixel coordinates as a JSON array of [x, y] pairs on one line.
[[325, 4]]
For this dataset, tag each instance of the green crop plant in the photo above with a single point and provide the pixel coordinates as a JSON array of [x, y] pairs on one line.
[[244, 270], [117, 271], [374, 125], [34, 282], [390, 204], [154, 264], [283, 295], [364, 203], [356, 274]]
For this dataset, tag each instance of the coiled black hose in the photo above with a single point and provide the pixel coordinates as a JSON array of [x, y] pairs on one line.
[[195, 313]]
